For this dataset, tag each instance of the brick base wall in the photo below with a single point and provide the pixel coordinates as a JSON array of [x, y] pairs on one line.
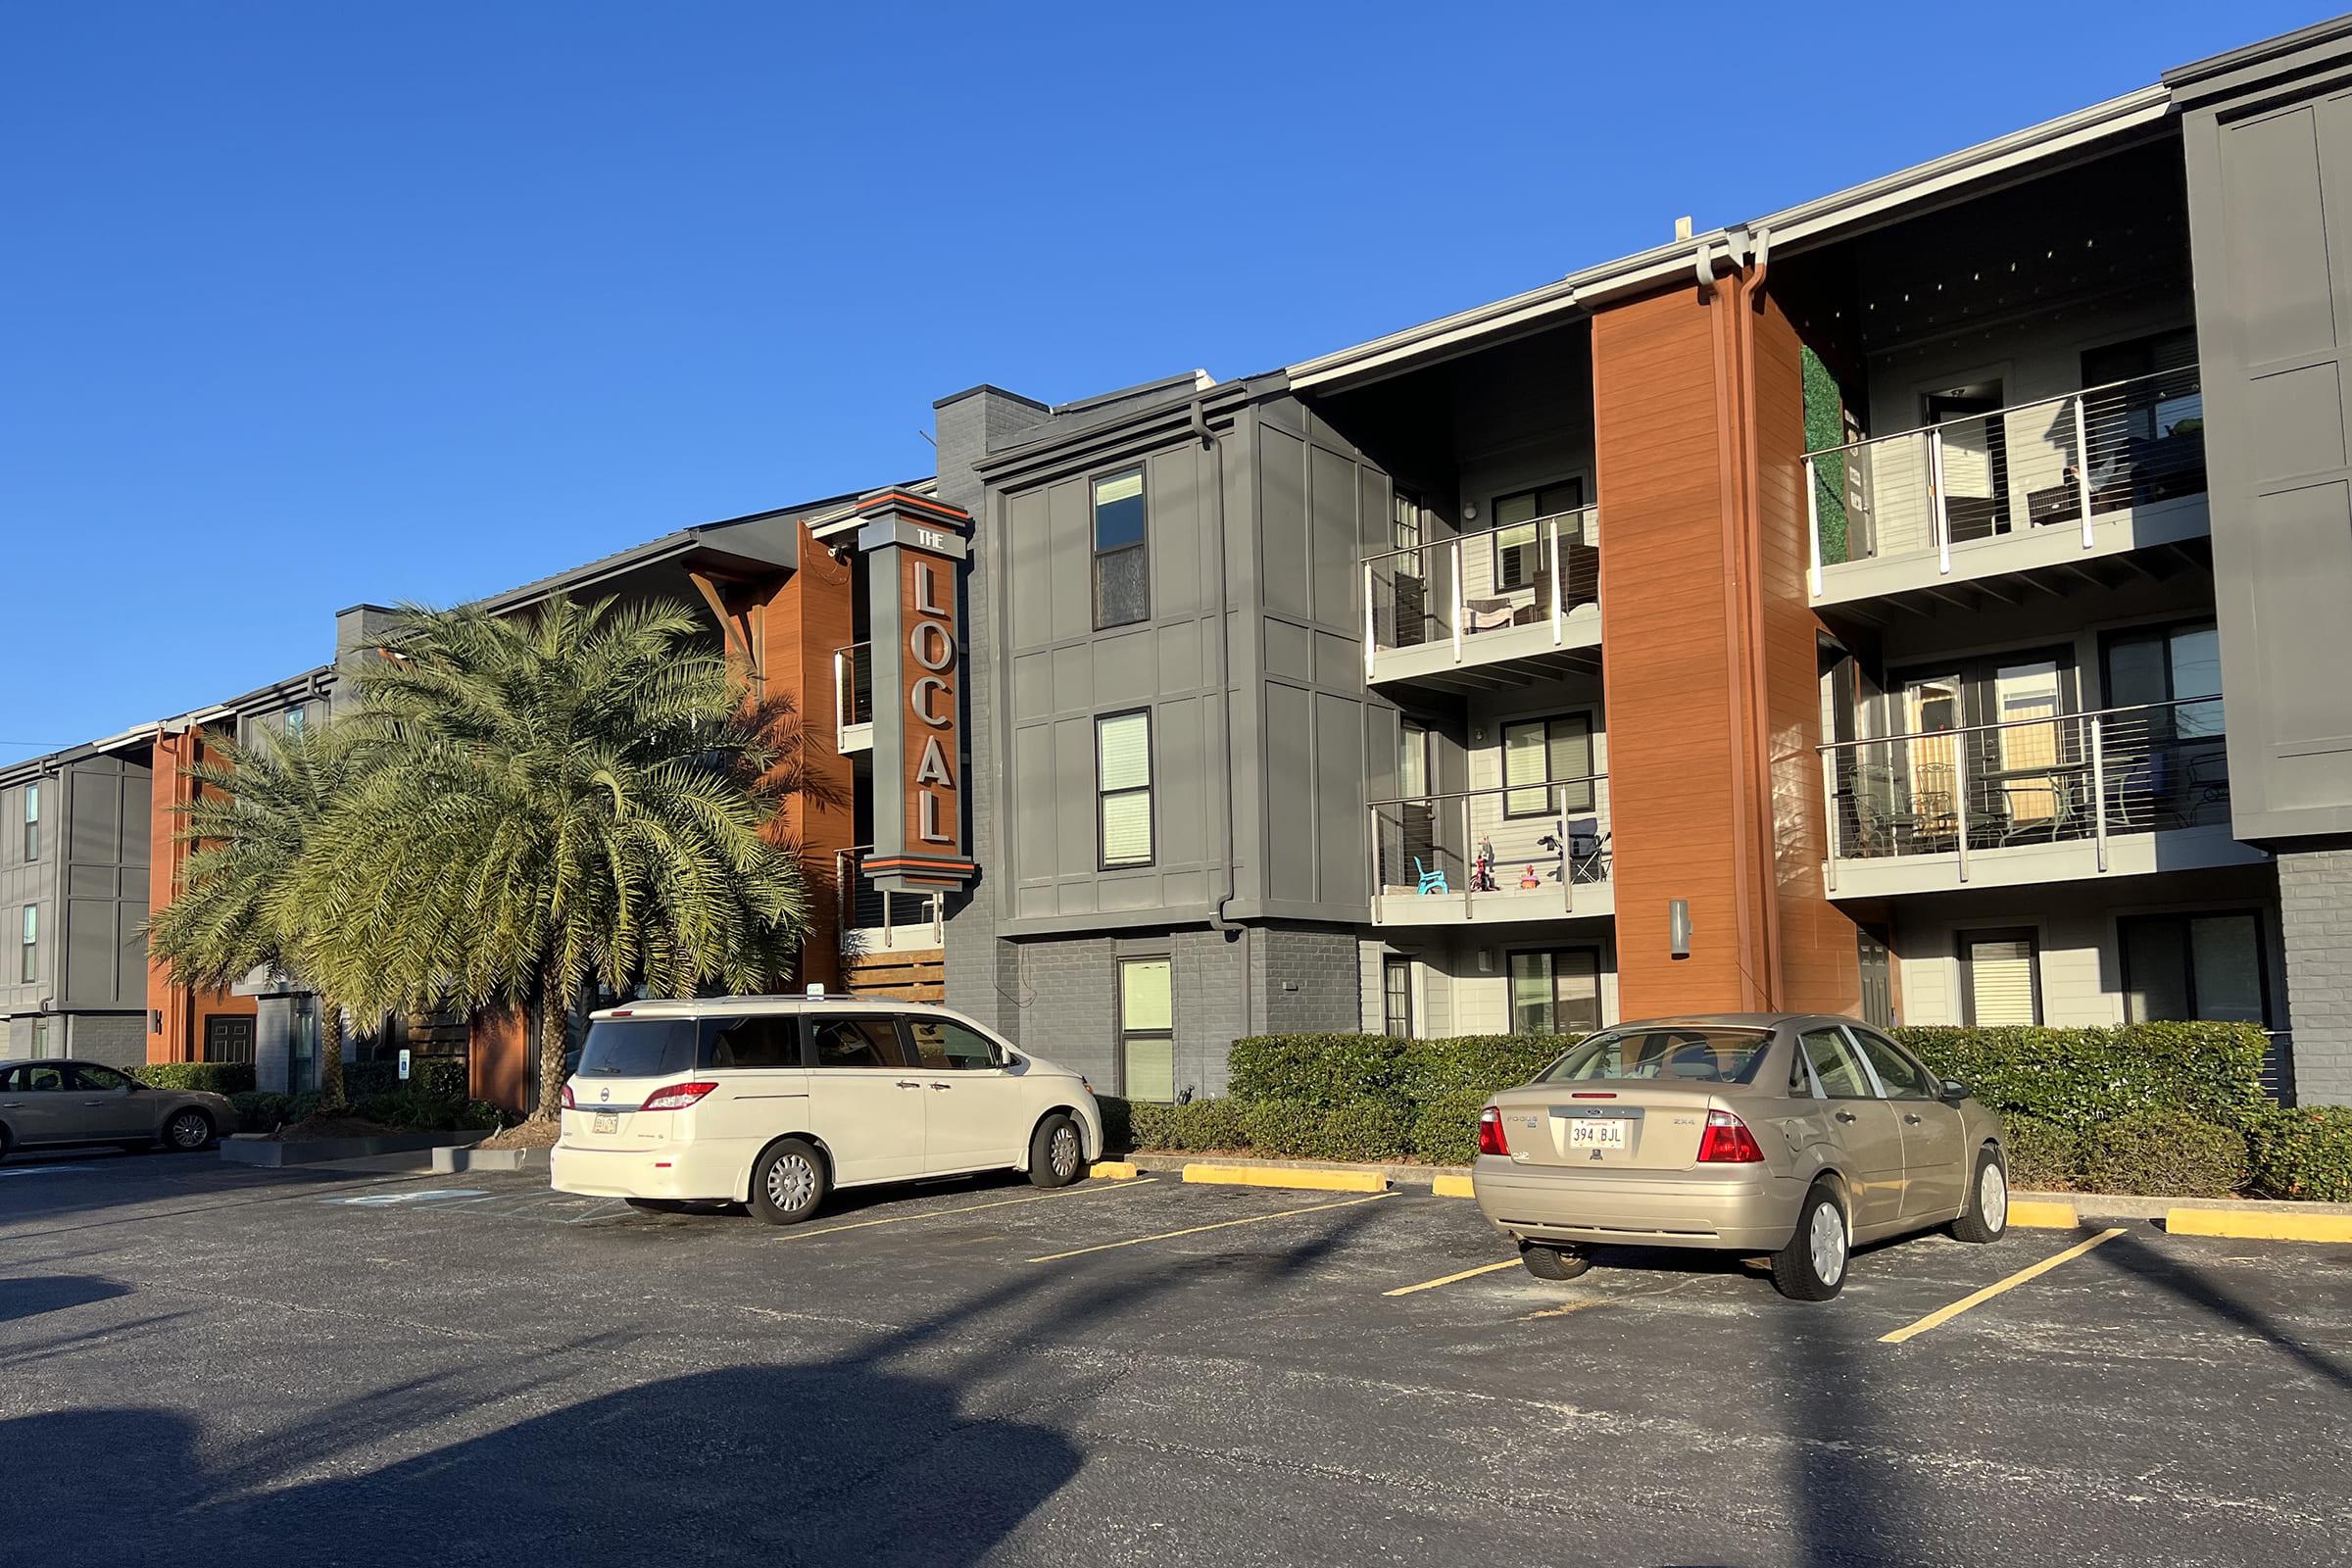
[[2315, 912]]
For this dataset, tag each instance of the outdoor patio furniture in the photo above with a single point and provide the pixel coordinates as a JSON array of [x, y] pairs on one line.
[[1432, 881]]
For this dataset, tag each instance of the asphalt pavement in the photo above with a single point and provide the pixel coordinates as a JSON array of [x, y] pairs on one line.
[[210, 1362]]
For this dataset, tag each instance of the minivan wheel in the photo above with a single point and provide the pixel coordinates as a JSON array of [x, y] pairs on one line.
[[789, 1181], [1553, 1262], [188, 1130], [1812, 1267], [1057, 1152], [1986, 1218]]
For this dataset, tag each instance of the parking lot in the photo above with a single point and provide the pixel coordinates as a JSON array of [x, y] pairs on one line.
[[361, 1368]]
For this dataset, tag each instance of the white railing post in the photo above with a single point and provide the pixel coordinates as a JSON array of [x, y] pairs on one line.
[[843, 904], [2082, 469], [2098, 786], [1372, 882], [1936, 516], [1829, 803], [1567, 858], [840, 699], [1813, 525], [1371, 622], [1456, 545], [1469, 859], [1960, 740], [1560, 587], [939, 918]]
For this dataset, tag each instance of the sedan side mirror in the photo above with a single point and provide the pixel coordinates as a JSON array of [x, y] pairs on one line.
[[1954, 1091]]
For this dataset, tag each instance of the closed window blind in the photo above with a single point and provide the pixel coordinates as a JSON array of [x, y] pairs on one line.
[[1123, 775], [2001, 981], [1146, 1017]]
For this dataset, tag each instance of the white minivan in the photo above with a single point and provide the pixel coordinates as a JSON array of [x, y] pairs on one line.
[[775, 1101]]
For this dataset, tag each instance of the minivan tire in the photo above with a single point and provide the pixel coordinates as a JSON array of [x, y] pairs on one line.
[[788, 1181], [1548, 1262], [1795, 1272], [1057, 1152], [1983, 1221]]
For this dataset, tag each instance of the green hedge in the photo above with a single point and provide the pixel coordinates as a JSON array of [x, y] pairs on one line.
[[216, 1077], [2163, 1154], [442, 1077], [2081, 1078], [2305, 1154]]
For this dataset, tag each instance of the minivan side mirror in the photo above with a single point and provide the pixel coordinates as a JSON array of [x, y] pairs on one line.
[[1954, 1091]]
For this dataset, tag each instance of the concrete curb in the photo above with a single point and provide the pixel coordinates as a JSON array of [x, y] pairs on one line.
[[1317, 1180], [2258, 1225], [450, 1161], [1408, 1174], [252, 1149], [1113, 1170]]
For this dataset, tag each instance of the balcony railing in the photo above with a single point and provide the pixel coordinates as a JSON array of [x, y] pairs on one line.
[[1920, 492], [1524, 843], [2068, 777], [852, 688], [864, 907], [1531, 573]]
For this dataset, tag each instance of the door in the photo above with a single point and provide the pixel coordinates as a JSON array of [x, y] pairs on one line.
[[865, 1098], [34, 1099], [104, 1101], [976, 1114], [2029, 787], [1878, 976], [1936, 1154], [229, 1037], [1864, 1127], [1555, 991], [1975, 458]]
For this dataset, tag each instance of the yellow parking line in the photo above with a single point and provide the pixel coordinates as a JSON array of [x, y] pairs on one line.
[[1466, 1274], [1195, 1230], [968, 1209], [1562, 1312], [1943, 1315]]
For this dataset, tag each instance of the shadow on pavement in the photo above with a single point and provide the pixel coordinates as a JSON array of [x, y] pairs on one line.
[[22, 1297], [2133, 1255]]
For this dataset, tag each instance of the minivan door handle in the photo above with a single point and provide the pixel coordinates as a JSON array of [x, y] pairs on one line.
[[909, 1083], [942, 1086]]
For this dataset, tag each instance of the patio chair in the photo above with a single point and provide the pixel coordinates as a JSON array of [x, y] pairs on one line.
[[1432, 881]]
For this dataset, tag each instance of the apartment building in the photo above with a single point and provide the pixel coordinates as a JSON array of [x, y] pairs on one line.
[[1923, 602]]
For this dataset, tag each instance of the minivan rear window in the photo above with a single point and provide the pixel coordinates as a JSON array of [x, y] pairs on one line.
[[637, 1047]]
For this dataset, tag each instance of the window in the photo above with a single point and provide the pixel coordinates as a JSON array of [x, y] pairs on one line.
[[1122, 575], [2191, 966], [28, 967], [943, 1047], [1836, 1066], [1405, 520], [99, 1080], [870, 1042], [1146, 1029], [636, 1048], [1999, 977], [1412, 759], [1555, 991], [1521, 550], [1123, 786], [32, 826], [1900, 1076], [1693, 1054], [1396, 996], [43, 1079], [1541, 752], [2179, 664], [762, 1040]]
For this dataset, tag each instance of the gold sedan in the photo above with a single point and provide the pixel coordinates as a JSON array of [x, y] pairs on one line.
[[1799, 1136]]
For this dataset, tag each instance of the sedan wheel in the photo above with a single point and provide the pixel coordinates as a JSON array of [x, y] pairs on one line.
[[1826, 1239], [1986, 1218], [188, 1130], [1812, 1267]]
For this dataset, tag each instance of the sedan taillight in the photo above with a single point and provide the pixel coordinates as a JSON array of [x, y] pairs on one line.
[[1490, 1133], [677, 1096], [1728, 1142]]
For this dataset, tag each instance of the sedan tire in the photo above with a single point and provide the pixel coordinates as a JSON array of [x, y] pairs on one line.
[[187, 1131], [1812, 1267], [788, 1182], [1553, 1262], [1986, 1218]]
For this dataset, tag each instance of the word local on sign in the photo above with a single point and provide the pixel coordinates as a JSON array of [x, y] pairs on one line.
[[931, 641]]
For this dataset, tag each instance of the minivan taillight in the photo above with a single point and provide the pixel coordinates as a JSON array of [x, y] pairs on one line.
[[677, 1096], [1726, 1142], [569, 1103], [1490, 1133]]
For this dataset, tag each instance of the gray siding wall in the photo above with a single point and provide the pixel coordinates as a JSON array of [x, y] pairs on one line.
[[2274, 298], [1070, 1010], [2315, 914], [33, 882], [90, 883]]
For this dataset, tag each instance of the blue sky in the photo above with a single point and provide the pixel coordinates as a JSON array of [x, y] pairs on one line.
[[314, 304]]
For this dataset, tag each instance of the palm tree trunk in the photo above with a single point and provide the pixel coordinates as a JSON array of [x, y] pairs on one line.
[[552, 1018], [331, 1052]]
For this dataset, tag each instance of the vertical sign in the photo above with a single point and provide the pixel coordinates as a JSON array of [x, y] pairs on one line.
[[934, 698], [915, 551]]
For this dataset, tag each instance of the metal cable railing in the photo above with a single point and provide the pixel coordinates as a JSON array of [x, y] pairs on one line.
[[863, 906], [1540, 841], [1983, 475], [854, 685], [2042, 780], [1537, 572]]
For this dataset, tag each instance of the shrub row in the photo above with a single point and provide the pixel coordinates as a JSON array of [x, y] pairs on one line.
[[443, 1077], [216, 1077], [411, 1109], [2165, 1109]]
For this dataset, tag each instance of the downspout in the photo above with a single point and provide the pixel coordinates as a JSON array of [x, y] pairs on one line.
[[1221, 752], [1765, 845]]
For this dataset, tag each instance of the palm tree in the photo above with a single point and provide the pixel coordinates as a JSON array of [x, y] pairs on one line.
[[583, 795], [252, 815]]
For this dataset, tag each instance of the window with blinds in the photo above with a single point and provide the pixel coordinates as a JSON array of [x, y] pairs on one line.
[[1541, 752], [1999, 979], [1122, 574], [1123, 789], [1146, 1029]]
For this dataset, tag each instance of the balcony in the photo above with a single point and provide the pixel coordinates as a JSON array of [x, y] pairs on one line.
[[1444, 614], [2032, 800], [1537, 851], [1977, 498], [872, 920], [854, 698]]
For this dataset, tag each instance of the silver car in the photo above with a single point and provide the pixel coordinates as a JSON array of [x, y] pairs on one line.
[[1796, 1135], [55, 1101]]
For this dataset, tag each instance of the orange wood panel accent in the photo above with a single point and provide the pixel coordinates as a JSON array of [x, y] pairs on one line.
[[1674, 706], [181, 1036], [798, 624], [497, 1058], [915, 975]]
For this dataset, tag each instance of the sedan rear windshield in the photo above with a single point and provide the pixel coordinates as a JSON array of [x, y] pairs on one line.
[[1688, 1053]]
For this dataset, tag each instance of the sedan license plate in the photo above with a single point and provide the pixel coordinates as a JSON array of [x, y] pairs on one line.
[[608, 1121], [1598, 1132]]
